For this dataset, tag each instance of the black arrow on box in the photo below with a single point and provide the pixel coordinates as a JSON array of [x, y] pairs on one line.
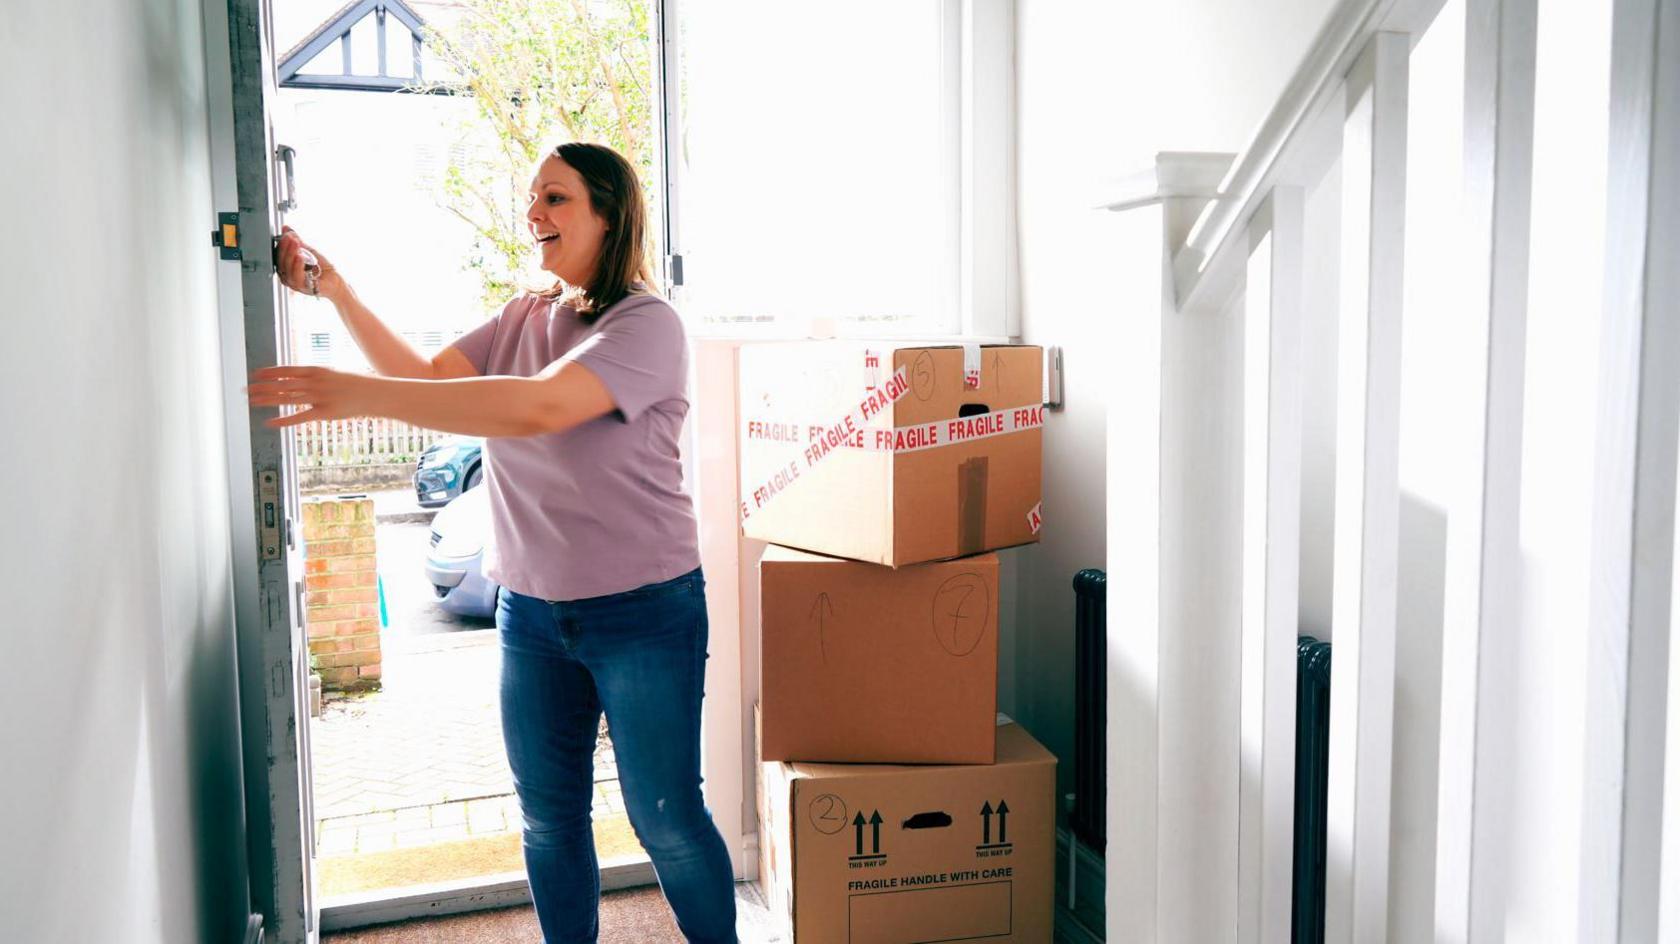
[[821, 611], [1002, 812], [874, 822]]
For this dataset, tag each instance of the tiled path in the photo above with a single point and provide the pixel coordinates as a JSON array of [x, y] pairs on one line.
[[422, 761]]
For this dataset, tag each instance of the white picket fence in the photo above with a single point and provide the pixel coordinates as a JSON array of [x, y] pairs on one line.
[[1403, 374], [361, 441]]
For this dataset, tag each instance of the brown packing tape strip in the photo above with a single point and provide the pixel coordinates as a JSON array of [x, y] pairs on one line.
[[971, 506]]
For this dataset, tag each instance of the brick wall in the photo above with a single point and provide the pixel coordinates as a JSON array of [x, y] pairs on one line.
[[341, 595]]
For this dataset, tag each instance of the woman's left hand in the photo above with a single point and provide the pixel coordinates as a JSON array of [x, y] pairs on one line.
[[320, 393]]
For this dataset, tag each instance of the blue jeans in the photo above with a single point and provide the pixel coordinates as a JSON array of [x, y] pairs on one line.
[[640, 656]]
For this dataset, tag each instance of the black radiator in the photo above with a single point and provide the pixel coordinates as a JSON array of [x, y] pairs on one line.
[[1312, 774], [1090, 709]]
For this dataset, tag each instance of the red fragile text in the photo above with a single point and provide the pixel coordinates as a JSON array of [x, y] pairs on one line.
[[773, 432], [778, 480]]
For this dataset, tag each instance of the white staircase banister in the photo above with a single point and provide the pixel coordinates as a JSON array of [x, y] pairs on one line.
[[1345, 33], [1191, 174]]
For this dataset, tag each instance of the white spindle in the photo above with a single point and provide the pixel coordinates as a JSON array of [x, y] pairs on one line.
[[1169, 809], [1639, 418], [1367, 493], [1480, 619], [1668, 820], [1660, 814], [1134, 549], [1271, 554]]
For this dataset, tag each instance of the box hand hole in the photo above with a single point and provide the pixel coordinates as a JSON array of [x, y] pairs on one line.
[[972, 409], [934, 820]]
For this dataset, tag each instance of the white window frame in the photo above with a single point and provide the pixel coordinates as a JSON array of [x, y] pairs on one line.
[[981, 41]]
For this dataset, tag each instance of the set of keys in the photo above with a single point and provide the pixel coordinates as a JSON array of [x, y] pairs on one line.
[[311, 268]]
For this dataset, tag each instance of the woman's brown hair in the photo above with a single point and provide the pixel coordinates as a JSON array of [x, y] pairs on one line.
[[615, 194]]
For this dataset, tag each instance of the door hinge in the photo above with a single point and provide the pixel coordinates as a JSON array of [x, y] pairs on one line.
[[297, 601], [674, 268], [226, 235]]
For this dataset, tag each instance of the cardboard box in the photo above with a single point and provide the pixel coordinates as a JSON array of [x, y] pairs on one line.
[[852, 854], [893, 455], [869, 664]]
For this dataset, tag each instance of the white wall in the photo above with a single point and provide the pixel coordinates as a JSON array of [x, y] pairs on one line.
[[1100, 89], [123, 813]]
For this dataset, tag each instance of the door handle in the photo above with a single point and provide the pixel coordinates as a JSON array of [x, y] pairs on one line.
[[286, 155]]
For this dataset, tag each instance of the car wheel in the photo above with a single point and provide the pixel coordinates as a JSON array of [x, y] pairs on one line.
[[473, 477]]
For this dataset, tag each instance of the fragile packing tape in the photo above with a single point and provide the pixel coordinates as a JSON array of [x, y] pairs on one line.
[[818, 442], [822, 442], [913, 438]]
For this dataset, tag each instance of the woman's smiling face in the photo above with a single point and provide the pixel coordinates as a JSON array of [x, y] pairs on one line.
[[564, 223]]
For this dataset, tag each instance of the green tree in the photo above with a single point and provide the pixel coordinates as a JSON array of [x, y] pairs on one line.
[[538, 73]]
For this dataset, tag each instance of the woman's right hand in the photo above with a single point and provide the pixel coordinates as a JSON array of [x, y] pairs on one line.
[[294, 258]]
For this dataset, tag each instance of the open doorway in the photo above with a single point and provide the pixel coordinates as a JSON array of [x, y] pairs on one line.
[[404, 167], [411, 781]]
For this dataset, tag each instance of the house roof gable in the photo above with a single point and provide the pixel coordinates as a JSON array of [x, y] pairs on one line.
[[337, 26]]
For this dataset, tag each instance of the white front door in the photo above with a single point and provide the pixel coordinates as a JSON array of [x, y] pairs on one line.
[[280, 818]]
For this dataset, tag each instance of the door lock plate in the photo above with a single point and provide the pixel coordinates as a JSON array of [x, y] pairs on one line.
[[268, 513]]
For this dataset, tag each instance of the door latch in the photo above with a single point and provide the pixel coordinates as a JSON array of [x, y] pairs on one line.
[[226, 235]]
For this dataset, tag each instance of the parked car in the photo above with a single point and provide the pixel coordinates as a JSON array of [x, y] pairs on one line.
[[454, 562], [447, 469]]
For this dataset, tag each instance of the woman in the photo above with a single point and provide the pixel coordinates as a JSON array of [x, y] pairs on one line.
[[579, 391]]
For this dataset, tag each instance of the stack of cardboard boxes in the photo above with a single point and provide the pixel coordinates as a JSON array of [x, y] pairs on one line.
[[895, 804]]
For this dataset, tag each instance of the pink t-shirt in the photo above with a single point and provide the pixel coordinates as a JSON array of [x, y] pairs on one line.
[[601, 507]]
